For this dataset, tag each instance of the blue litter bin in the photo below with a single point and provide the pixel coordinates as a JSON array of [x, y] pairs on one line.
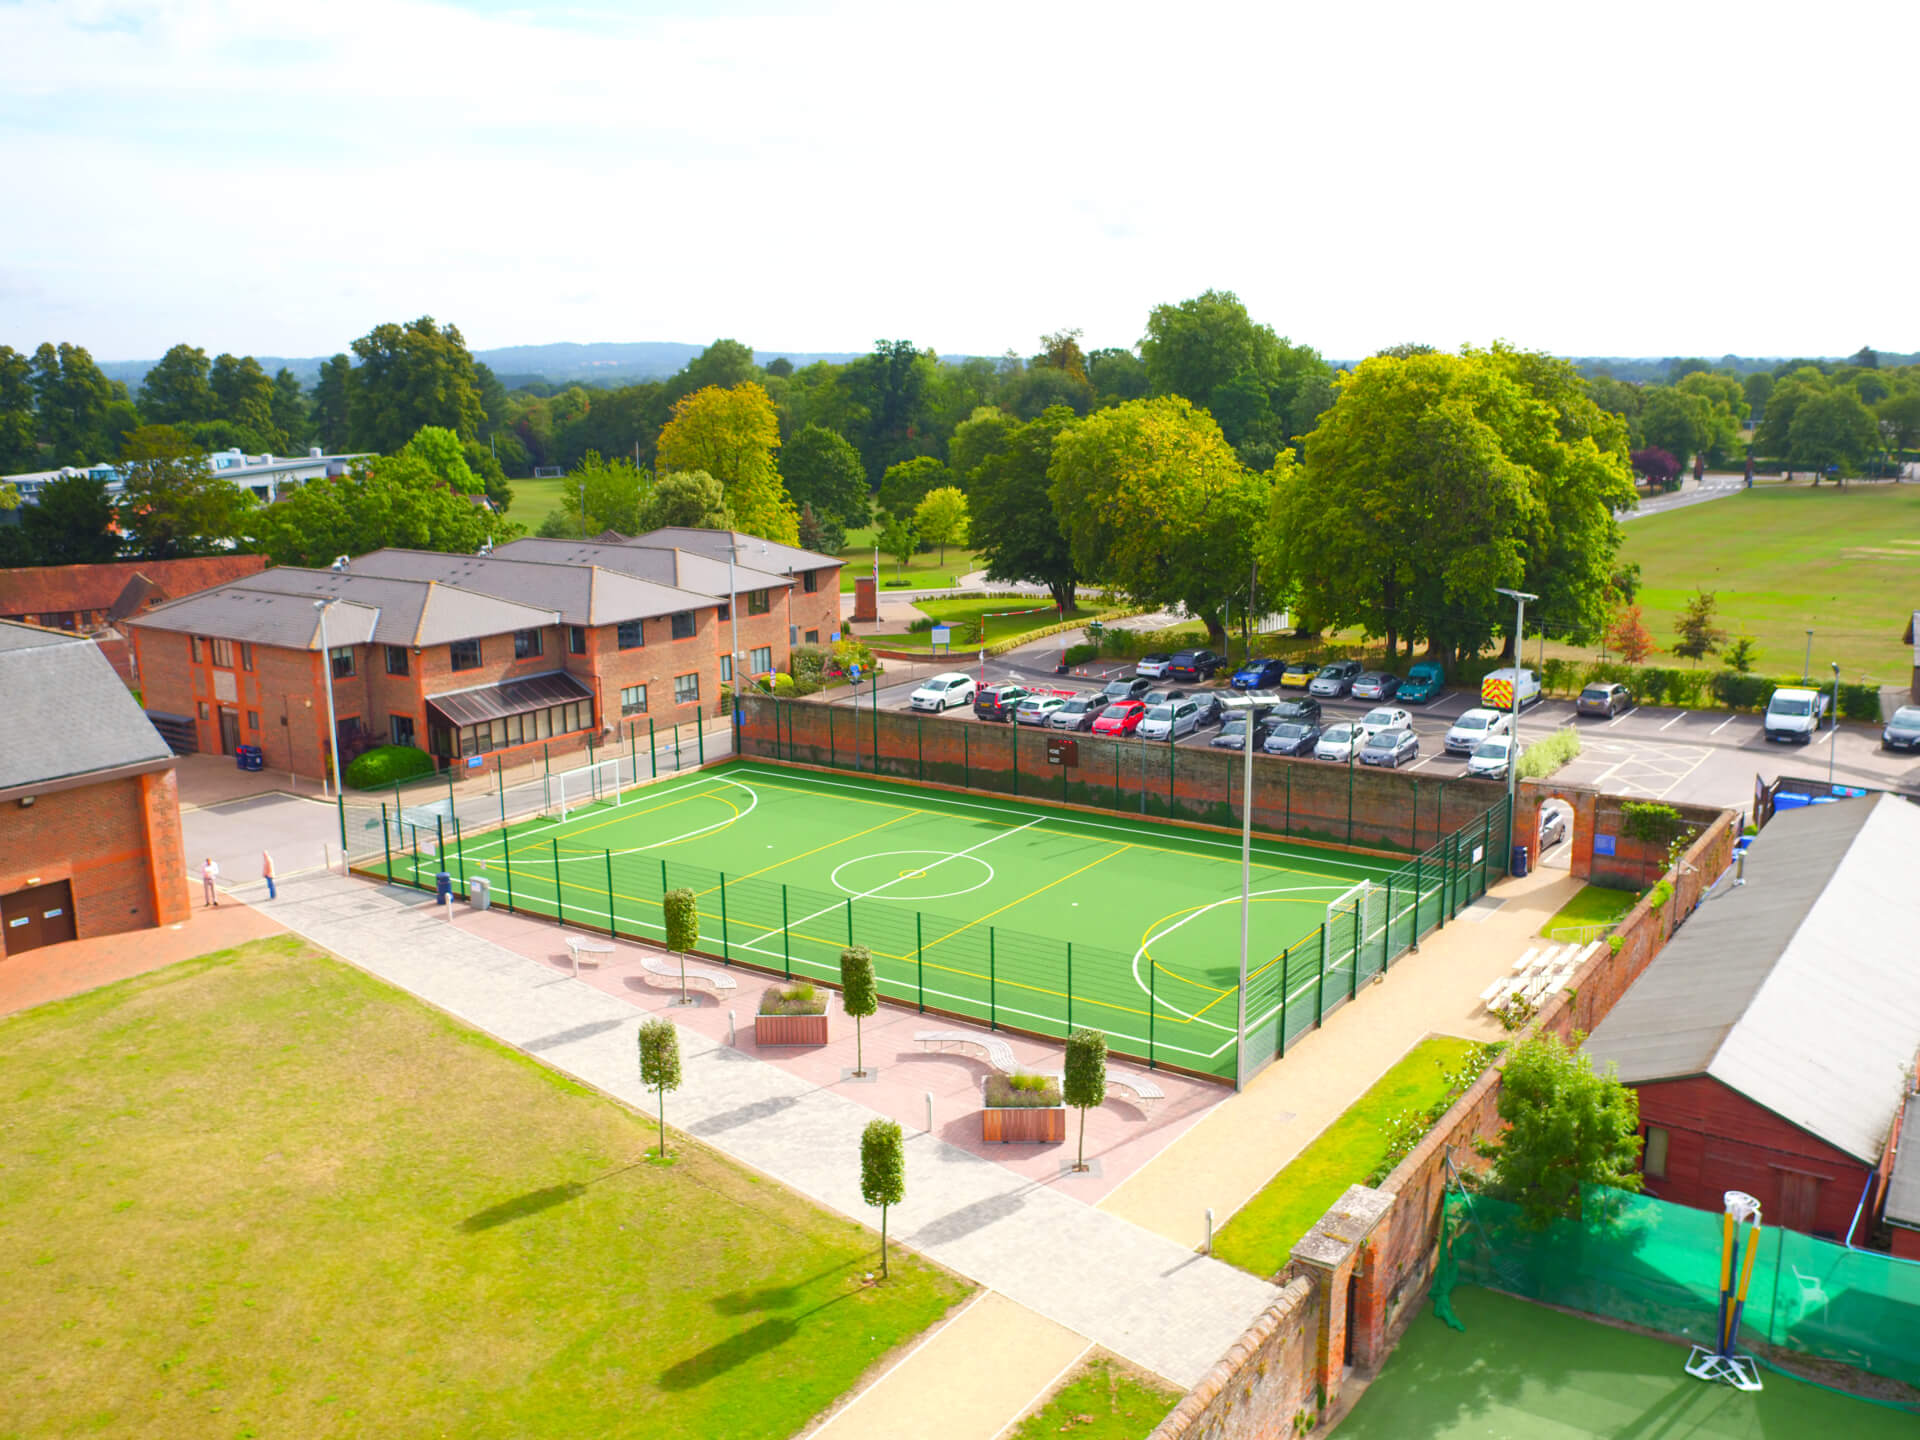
[[1517, 866], [249, 757], [443, 887]]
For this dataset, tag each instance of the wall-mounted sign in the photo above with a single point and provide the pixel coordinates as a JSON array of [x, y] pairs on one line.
[[1603, 844]]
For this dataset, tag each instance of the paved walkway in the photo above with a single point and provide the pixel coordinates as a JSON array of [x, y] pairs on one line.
[[57, 971], [1141, 1295]]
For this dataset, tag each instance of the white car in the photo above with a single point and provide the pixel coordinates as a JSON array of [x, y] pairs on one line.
[[1173, 718], [943, 692], [1339, 742], [1491, 758], [1151, 667], [1474, 727], [1383, 717], [1037, 709]]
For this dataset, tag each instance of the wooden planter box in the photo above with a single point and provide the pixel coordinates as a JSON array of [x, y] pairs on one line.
[[1033, 1125], [790, 1029]]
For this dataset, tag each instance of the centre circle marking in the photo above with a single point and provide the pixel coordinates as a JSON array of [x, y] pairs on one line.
[[893, 890]]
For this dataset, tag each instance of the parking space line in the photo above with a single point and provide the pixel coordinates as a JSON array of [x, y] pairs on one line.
[[1723, 724], [1633, 710], [1678, 717]]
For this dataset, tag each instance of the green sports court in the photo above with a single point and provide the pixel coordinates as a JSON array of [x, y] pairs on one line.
[[1039, 918]]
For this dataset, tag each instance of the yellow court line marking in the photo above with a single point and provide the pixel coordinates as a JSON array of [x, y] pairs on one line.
[[502, 837], [663, 844], [1154, 925], [1122, 846]]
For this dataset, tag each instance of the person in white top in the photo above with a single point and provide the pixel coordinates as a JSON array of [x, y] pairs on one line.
[[266, 873], [209, 873]]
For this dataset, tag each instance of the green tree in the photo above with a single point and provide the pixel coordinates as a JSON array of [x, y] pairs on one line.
[[618, 495], [883, 402], [1061, 351], [1117, 376], [883, 1173], [1041, 387], [905, 485], [1699, 636], [1198, 345], [1085, 1083], [243, 396], [822, 470], [1727, 411], [981, 434], [822, 536], [732, 434], [682, 913], [1741, 655], [19, 430], [858, 997], [441, 452], [71, 524], [330, 400], [660, 1066], [1567, 1127], [1757, 387], [1015, 526], [1790, 392], [410, 375], [692, 500], [289, 409], [1676, 421], [175, 391], [71, 397], [397, 500], [1899, 416], [898, 540], [1832, 430], [1153, 501], [941, 518], [173, 504]]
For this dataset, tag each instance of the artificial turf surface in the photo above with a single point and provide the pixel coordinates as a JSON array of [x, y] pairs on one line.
[[260, 1193], [1003, 909]]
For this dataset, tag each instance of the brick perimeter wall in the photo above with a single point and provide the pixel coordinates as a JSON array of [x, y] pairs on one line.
[[1263, 1381]]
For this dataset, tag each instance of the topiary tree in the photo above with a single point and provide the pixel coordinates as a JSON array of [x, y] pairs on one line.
[[883, 1173], [857, 995], [660, 1066], [1086, 1080], [683, 928], [1567, 1127]]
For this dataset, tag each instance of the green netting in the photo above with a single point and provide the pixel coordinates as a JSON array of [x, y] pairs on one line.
[[1656, 1264]]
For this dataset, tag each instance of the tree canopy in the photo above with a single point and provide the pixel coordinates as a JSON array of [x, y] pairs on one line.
[[1567, 1127], [1015, 525], [172, 504], [732, 434], [822, 469], [411, 375]]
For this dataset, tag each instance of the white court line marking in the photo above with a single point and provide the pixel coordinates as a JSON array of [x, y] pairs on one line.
[[1621, 716], [1723, 725], [952, 855], [1675, 720]]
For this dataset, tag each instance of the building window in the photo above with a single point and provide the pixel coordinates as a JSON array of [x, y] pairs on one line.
[[1654, 1157], [400, 729], [726, 669], [759, 602], [810, 581], [760, 661], [246, 656], [253, 719], [223, 653], [632, 634], [724, 614], [464, 654], [194, 641], [576, 640], [204, 712], [342, 659], [813, 637], [526, 644], [633, 700], [683, 625], [523, 729], [396, 659], [686, 690]]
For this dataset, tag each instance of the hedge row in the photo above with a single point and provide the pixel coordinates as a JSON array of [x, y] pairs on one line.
[[1692, 689], [380, 768]]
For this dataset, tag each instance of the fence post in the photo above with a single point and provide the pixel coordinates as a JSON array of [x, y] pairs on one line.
[[700, 741], [726, 955], [439, 843], [1287, 824], [1386, 931], [1172, 751], [1419, 894], [1286, 958], [663, 882], [676, 747], [546, 759], [1320, 983], [613, 926], [633, 753], [1353, 747], [559, 903], [506, 859], [460, 854], [849, 922], [833, 759], [786, 935], [993, 1010], [1353, 962], [1014, 725], [653, 750], [919, 963], [386, 840], [966, 757], [1069, 987], [1152, 1005], [1414, 843], [920, 744], [340, 808]]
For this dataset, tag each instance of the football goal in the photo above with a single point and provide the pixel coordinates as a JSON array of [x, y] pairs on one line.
[[1353, 917], [589, 785]]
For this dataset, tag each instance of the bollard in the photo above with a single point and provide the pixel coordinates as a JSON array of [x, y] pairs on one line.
[[729, 1027], [1209, 1246], [929, 1095]]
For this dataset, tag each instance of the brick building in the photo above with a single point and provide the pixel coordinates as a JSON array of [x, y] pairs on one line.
[[86, 598], [542, 642], [89, 813], [1769, 1042]]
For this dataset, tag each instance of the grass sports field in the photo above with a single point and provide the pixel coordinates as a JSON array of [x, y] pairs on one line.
[[1044, 919]]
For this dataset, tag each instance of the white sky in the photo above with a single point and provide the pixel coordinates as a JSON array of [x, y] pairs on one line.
[[276, 179]]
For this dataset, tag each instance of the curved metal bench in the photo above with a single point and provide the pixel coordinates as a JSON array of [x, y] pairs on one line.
[[716, 982]]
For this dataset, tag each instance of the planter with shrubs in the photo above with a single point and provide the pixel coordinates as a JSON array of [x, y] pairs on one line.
[[793, 1015], [1024, 1108]]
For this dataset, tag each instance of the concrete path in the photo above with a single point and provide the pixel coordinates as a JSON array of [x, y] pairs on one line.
[[1141, 1295]]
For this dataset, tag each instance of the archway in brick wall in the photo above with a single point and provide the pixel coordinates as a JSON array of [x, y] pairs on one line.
[[1553, 837], [1578, 805]]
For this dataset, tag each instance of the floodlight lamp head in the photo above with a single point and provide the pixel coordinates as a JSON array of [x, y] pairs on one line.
[[1742, 1207]]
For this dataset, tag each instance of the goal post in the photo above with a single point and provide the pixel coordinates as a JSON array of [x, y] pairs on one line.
[[589, 785], [1353, 917]]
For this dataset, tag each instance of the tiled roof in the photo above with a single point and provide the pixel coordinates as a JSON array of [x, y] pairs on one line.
[[412, 611], [263, 617], [786, 559], [581, 594], [685, 570], [67, 712], [56, 589]]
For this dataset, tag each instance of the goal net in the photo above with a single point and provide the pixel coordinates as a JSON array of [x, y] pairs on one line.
[[589, 785], [423, 826], [1353, 918]]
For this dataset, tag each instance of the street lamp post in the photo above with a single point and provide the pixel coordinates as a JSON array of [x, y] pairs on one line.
[[1833, 724], [1246, 704], [1806, 664], [326, 666], [1520, 598]]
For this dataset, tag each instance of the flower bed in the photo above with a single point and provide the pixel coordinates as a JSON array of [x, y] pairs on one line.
[[795, 1015], [1023, 1109]]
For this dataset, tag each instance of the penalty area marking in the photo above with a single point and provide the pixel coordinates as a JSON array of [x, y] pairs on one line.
[[1195, 914]]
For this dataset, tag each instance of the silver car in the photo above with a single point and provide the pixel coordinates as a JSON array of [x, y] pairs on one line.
[[1334, 680], [1338, 742], [1171, 720], [1390, 748]]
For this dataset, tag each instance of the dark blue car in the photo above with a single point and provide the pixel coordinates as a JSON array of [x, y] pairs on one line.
[[1258, 674]]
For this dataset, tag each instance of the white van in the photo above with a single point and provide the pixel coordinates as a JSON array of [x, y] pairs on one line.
[[1496, 691], [1794, 714]]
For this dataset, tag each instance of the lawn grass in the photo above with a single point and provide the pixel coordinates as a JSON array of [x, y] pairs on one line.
[[534, 500], [261, 1193], [1104, 1399], [1263, 1233], [1594, 905], [963, 612], [922, 572]]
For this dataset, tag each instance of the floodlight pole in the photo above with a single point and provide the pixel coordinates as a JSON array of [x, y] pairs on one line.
[[1520, 598], [1246, 907], [1833, 724], [333, 728]]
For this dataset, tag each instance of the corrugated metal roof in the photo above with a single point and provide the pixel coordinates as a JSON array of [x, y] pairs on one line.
[[67, 712], [580, 594], [263, 617], [1797, 989], [682, 569], [509, 697]]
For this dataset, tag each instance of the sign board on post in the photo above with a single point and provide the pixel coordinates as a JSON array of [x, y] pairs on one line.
[[941, 637], [1063, 750]]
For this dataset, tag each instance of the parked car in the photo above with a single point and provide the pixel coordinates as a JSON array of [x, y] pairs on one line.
[[1303, 708], [1292, 737], [1794, 714], [1553, 829], [1903, 730], [1376, 685], [1298, 675], [1194, 665], [1390, 748], [1384, 717], [1152, 667], [1161, 697], [1120, 718], [1337, 742], [1473, 728], [1425, 679], [1232, 734], [1037, 709], [998, 702], [1608, 700], [1490, 759], [1171, 720], [1334, 680], [1496, 691], [1258, 674], [1212, 712], [943, 692], [1127, 689], [1079, 712]]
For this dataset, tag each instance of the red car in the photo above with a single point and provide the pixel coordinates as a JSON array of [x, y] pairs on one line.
[[1121, 719]]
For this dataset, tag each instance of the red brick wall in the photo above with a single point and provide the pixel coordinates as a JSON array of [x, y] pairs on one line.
[[1263, 1381], [818, 611]]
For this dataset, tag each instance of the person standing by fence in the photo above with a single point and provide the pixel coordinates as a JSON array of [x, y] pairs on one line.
[[266, 873]]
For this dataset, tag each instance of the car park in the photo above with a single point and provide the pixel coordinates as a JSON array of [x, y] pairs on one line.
[[1127, 689], [1160, 696], [1298, 675], [1391, 748], [1384, 717], [1292, 737], [1375, 685], [1425, 680], [1498, 689], [1037, 709], [1302, 708], [1607, 699], [1120, 718], [998, 702], [1259, 673], [1337, 742], [1193, 665], [1902, 732], [1490, 759], [1794, 714], [1334, 680], [1170, 721], [1151, 667], [1212, 712], [1232, 734], [1475, 727], [1079, 712], [943, 692]]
